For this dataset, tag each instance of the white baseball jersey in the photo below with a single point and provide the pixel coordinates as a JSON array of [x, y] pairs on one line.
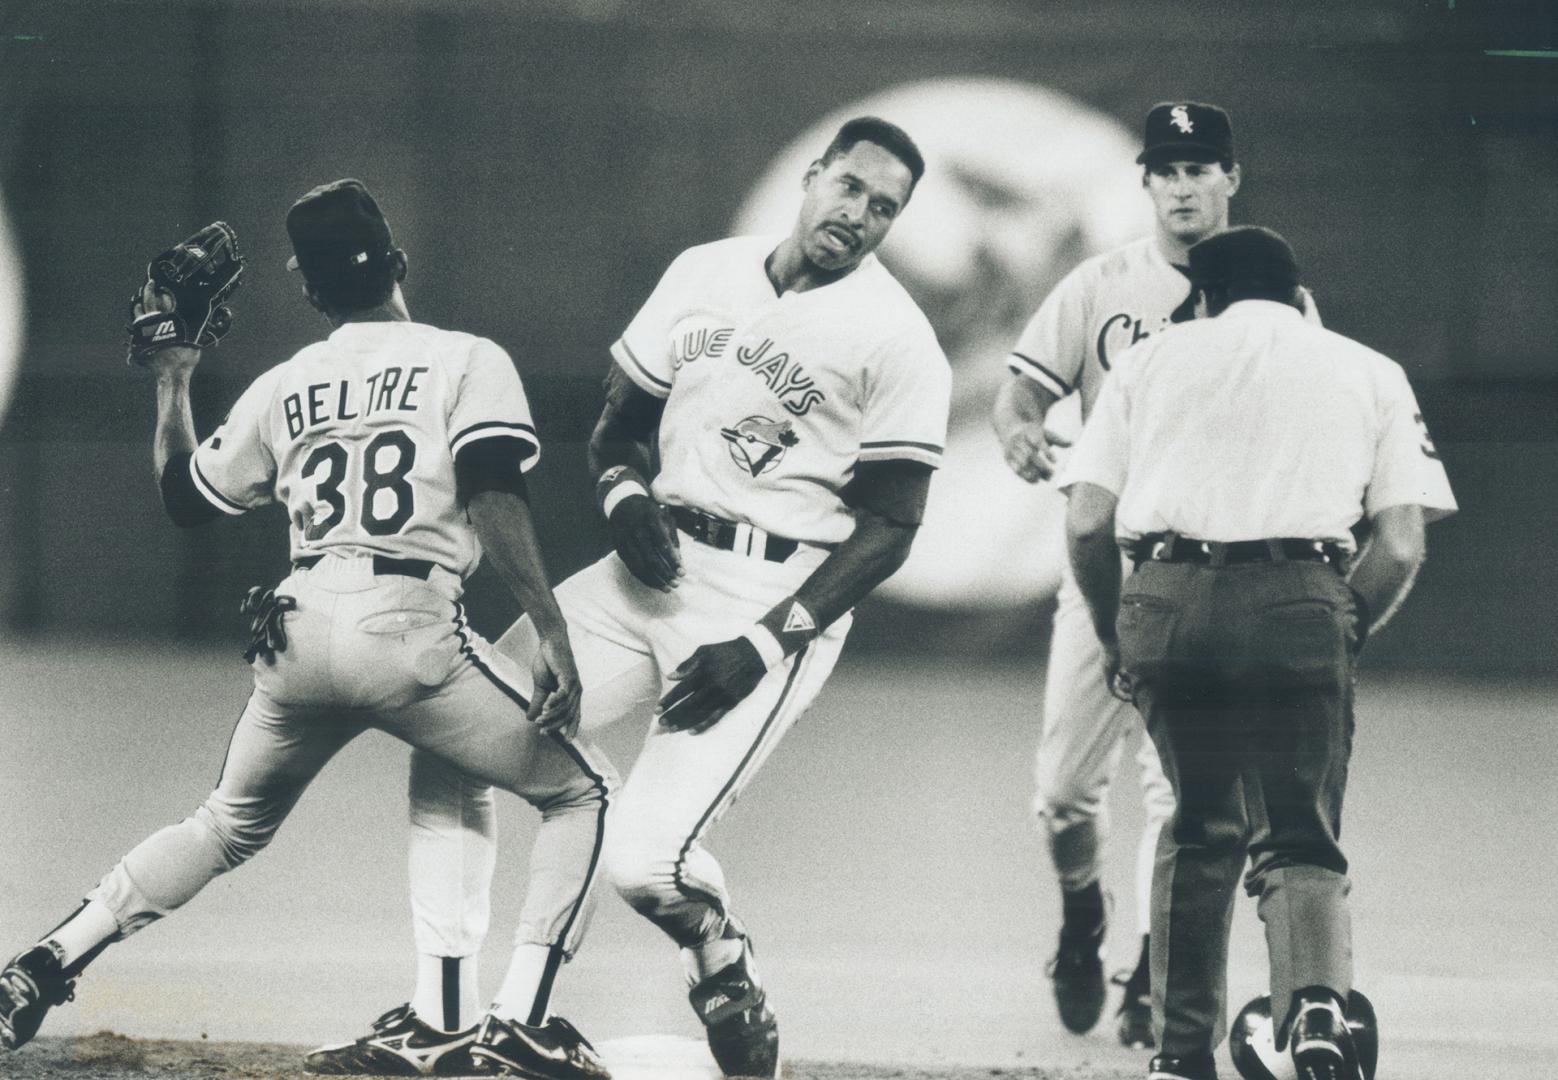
[[1107, 304], [771, 400], [1255, 424], [357, 435]]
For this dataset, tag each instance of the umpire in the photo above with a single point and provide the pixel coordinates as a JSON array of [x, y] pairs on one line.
[[1230, 458]]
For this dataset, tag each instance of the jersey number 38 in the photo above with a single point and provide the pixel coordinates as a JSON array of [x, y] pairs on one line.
[[388, 499]]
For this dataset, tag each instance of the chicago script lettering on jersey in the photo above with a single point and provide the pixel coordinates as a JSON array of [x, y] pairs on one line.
[[1112, 336], [784, 376], [319, 403]]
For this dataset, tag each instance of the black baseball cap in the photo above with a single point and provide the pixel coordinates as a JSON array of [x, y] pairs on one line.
[[335, 229], [1186, 131], [1247, 254]]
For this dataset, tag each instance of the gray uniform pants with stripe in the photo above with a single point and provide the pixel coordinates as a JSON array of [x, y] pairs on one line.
[[394, 653], [1244, 675]]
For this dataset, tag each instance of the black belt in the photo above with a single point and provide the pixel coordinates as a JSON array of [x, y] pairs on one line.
[[382, 565], [725, 535], [1171, 547]]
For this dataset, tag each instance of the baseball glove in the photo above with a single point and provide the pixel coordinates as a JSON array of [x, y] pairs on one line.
[[189, 281]]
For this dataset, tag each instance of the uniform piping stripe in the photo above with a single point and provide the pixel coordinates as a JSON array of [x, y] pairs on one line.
[[234, 734], [543, 998], [642, 370], [492, 427], [208, 489], [573, 752], [451, 996], [1039, 369], [682, 884]]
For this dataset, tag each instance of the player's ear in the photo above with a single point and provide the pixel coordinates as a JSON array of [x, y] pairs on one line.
[[811, 171], [398, 262], [312, 296], [1234, 177]]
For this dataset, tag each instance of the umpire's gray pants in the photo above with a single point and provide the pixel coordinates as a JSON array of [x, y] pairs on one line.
[[1244, 675]]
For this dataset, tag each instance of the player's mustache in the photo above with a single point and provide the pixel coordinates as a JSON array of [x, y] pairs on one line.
[[851, 232]]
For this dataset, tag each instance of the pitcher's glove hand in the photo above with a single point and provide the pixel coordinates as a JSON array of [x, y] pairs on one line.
[[712, 681], [181, 300], [266, 635]]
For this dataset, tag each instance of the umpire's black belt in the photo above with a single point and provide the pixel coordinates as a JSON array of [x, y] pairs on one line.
[[735, 536], [382, 565], [1171, 547]]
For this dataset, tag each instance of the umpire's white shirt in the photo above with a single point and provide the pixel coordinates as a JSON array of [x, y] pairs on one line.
[[1257, 424]]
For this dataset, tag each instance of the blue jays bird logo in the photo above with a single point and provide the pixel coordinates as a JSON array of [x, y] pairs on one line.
[[1179, 116], [757, 443]]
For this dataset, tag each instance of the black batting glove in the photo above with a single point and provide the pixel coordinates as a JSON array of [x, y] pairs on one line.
[[709, 683], [645, 539], [267, 609]]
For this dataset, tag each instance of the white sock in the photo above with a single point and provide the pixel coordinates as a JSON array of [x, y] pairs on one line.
[[446, 996], [526, 992], [84, 931], [716, 955]]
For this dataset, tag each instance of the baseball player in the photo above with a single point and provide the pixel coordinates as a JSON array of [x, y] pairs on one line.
[[1100, 309], [1230, 458], [796, 401], [398, 450]]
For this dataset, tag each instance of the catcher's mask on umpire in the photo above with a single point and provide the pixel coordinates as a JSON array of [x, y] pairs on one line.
[[343, 245]]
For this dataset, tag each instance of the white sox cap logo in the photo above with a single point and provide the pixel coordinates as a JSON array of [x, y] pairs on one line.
[[757, 443], [1179, 116]]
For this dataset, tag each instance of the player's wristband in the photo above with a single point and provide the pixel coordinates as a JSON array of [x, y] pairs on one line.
[[615, 484], [783, 631]]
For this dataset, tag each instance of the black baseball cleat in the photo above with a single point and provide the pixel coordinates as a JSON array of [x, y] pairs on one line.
[[30, 985], [553, 1051], [1077, 971], [1200, 1067], [1322, 1044], [1133, 1023], [400, 1044], [743, 1033]]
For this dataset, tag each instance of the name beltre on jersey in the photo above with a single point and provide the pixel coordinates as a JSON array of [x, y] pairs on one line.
[[392, 388]]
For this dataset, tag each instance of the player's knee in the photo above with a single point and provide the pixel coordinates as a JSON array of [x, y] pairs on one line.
[[240, 835], [1066, 808], [643, 877]]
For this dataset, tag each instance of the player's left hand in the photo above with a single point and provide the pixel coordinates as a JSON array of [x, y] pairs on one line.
[[180, 304], [170, 359], [709, 683]]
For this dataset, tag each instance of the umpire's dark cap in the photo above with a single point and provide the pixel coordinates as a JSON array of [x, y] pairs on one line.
[[1186, 131], [1248, 254], [336, 228]]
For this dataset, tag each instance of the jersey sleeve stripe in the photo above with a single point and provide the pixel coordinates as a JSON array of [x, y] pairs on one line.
[[1027, 365], [646, 379], [929, 447], [213, 496], [901, 450], [491, 428]]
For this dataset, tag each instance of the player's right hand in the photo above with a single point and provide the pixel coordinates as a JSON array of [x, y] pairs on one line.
[[554, 706], [645, 539], [1018, 419]]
